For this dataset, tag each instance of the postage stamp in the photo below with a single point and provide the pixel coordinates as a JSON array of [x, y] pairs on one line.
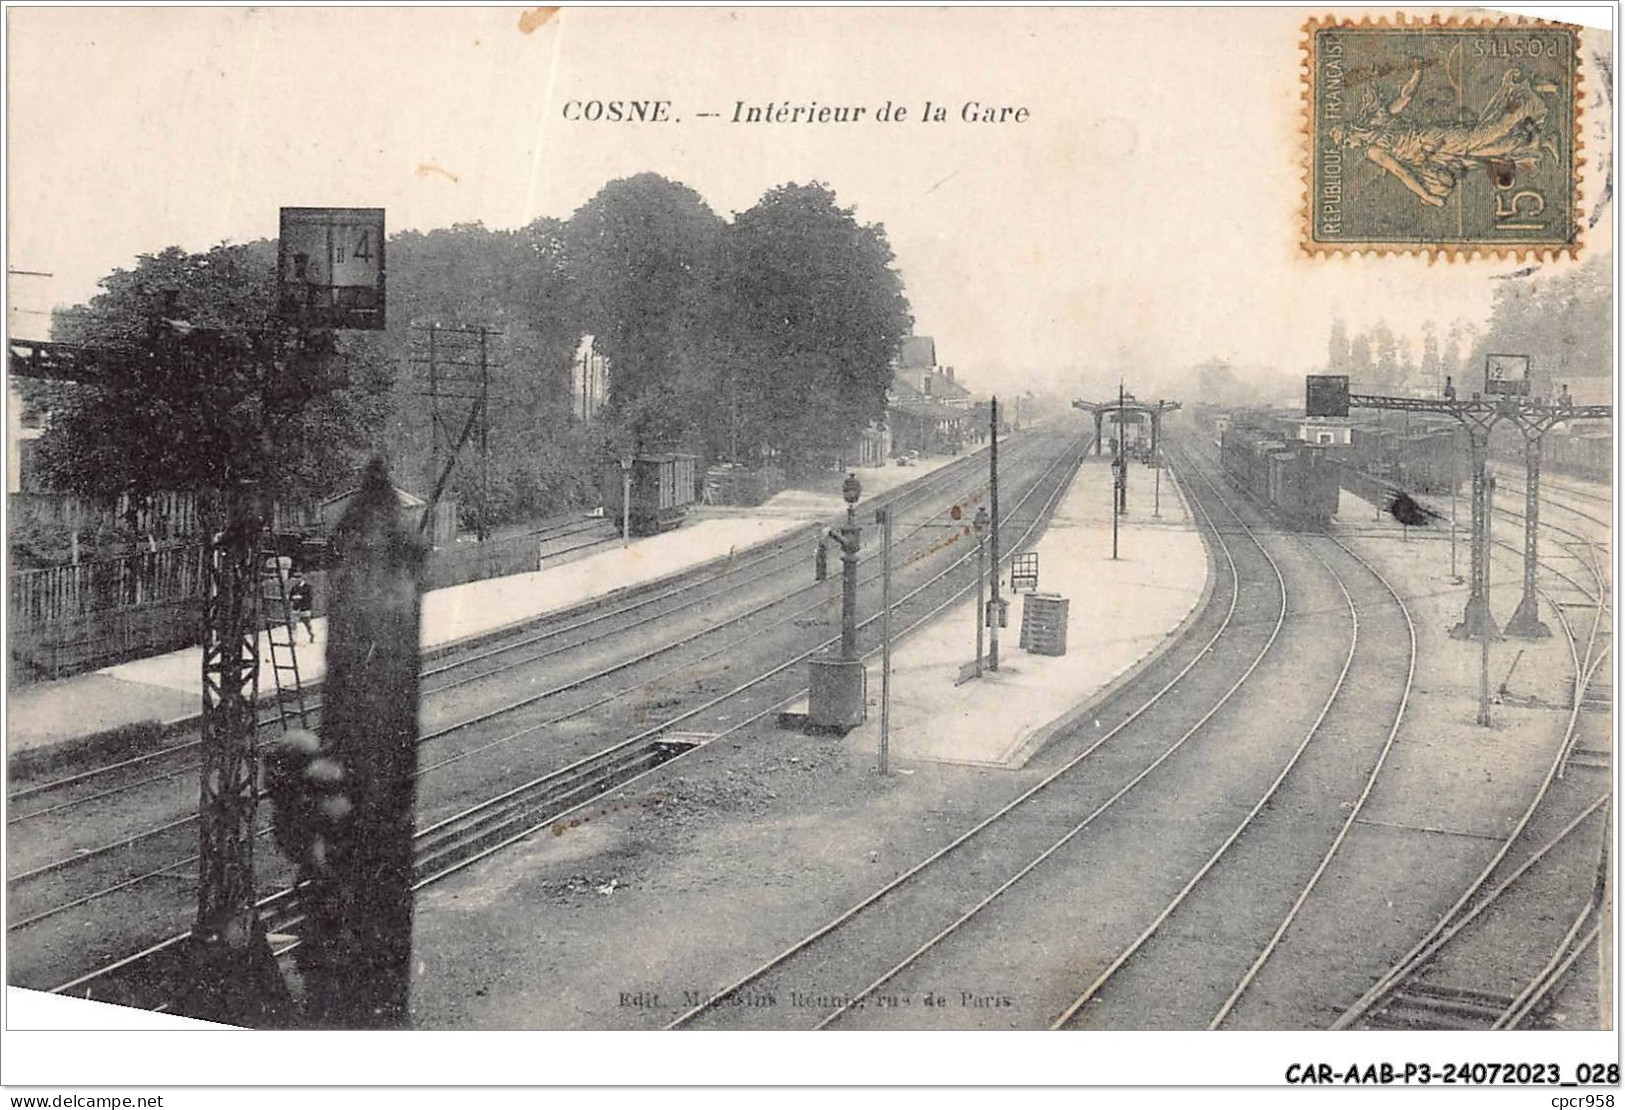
[[1441, 137]]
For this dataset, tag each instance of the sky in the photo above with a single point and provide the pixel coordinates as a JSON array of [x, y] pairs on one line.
[[1143, 217]]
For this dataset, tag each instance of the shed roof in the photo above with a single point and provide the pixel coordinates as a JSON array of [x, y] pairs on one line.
[[404, 499]]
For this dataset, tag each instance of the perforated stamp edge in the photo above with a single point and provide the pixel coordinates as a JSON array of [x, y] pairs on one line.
[[1435, 251]]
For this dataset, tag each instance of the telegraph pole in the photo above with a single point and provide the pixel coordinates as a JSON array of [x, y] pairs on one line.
[[469, 350], [235, 979], [1477, 620], [981, 581], [883, 518], [1122, 451], [1125, 404], [994, 609]]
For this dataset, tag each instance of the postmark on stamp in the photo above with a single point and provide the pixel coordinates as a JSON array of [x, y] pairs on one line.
[[1441, 137]]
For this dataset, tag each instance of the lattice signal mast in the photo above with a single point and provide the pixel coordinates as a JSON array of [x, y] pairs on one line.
[[1505, 397]]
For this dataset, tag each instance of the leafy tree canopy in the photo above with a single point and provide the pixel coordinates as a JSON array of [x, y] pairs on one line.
[[809, 315], [209, 390], [638, 256]]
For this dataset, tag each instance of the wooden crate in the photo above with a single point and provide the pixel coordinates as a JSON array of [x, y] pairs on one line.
[[1043, 623]]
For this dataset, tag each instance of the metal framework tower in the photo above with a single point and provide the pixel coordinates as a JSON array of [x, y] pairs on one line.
[[234, 978], [1533, 426], [1478, 416]]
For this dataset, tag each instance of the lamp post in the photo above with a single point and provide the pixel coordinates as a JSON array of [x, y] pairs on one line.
[[626, 500], [850, 539], [980, 524]]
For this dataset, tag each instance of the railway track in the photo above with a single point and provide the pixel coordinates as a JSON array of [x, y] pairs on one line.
[[1275, 857], [858, 958], [117, 869], [493, 654], [454, 839], [1499, 954], [829, 956]]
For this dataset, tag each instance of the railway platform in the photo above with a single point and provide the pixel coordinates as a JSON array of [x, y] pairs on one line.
[[51, 720], [1120, 614]]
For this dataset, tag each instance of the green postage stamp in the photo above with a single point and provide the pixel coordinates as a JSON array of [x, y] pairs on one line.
[[1441, 137]]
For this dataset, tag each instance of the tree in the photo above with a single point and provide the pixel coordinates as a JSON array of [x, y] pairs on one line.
[[513, 283], [210, 390], [808, 316], [1360, 358], [638, 257], [1337, 348], [1384, 355], [1431, 370]]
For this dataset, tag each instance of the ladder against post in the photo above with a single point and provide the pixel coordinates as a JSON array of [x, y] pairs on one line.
[[278, 620]]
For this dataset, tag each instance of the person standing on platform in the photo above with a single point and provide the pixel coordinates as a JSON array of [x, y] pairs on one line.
[[300, 595]]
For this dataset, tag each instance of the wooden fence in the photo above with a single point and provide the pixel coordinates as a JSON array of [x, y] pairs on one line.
[[58, 594], [166, 515], [65, 620]]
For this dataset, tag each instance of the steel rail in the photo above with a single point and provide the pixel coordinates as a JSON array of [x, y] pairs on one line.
[[1089, 992], [1411, 961], [1002, 812], [770, 549], [282, 895]]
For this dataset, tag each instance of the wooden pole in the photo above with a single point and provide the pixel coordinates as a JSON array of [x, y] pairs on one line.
[[993, 538], [885, 642]]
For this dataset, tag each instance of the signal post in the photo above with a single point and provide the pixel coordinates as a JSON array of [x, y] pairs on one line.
[[1505, 397]]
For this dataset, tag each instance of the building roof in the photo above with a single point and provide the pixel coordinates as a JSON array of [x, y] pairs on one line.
[[919, 352], [944, 387], [905, 399], [402, 498]]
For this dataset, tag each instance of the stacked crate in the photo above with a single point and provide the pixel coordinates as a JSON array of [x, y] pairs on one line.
[[1043, 623]]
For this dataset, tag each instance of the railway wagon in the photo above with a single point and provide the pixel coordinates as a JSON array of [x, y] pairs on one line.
[[1298, 481], [1424, 459], [1588, 453], [662, 490]]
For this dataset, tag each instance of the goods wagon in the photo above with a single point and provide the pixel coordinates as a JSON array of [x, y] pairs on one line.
[[1297, 481], [662, 489], [1426, 458]]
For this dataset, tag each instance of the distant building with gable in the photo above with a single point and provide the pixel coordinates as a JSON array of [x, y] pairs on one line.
[[927, 409]]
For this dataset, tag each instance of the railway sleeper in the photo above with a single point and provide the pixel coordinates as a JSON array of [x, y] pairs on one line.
[[1591, 759], [453, 845], [1420, 1005]]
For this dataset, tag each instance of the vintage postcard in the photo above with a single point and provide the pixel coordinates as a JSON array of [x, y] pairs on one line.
[[602, 520]]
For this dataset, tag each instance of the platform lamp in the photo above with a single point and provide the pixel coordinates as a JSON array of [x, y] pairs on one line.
[[851, 491], [626, 499], [835, 701]]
